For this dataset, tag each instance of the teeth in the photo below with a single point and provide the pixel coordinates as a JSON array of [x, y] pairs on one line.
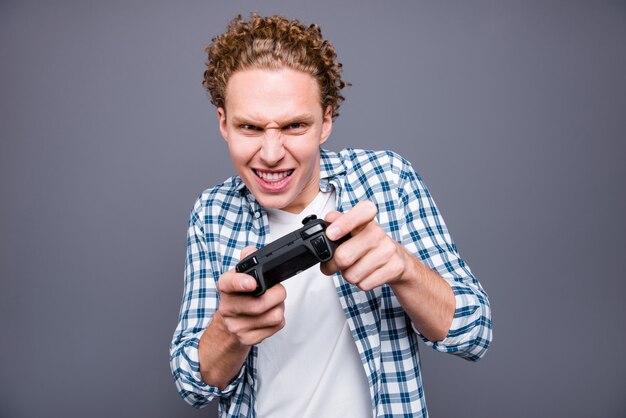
[[273, 176]]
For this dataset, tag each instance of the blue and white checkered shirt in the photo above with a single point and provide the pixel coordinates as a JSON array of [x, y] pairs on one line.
[[227, 218]]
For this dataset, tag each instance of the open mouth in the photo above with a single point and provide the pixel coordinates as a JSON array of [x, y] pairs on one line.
[[273, 176], [273, 181]]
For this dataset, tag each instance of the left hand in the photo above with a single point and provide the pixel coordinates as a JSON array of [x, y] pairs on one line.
[[370, 258]]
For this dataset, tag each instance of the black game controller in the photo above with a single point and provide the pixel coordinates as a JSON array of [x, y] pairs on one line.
[[290, 254]]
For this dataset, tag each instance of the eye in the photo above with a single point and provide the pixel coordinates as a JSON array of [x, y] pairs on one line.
[[249, 129], [295, 128]]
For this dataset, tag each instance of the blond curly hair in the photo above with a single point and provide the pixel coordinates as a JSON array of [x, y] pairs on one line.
[[271, 43]]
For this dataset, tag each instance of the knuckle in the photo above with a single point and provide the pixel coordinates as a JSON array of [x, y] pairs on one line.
[[248, 340], [274, 295], [397, 268], [225, 283], [225, 308], [235, 327], [282, 292], [379, 234], [350, 277], [221, 284], [258, 306], [388, 250], [364, 286], [276, 317], [342, 258], [371, 207]]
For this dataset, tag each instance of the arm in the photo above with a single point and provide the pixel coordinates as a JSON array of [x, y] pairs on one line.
[[220, 354], [240, 322], [199, 304], [371, 259], [446, 304], [425, 235], [205, 358]]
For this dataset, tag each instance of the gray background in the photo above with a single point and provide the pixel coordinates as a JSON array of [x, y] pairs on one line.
[[512, 111]]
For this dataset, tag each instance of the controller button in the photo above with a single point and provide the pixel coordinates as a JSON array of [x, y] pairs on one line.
[[245, 265], [309, 219], [321, 248], [311, 231]]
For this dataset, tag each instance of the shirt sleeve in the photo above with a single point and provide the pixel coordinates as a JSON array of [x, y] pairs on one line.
[[425, 234], [200, 301]]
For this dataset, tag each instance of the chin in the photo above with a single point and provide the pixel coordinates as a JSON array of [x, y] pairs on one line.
[[274, 203]]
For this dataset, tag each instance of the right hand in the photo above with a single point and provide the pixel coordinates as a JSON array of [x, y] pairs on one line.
[[249, 318]]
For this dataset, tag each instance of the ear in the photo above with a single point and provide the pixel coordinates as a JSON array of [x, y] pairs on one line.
[[221, 117], [327, 124]]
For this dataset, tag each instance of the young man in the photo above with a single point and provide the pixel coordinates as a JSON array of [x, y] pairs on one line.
[[343, 341]]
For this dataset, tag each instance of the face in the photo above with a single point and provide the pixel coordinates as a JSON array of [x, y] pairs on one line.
[[274, 125]]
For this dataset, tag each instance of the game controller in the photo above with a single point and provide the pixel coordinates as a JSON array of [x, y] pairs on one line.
[[290, 254]]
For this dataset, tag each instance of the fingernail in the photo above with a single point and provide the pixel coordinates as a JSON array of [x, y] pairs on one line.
[[248, 284], [332, 232]]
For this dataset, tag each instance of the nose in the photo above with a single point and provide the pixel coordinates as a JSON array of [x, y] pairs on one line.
[[272, 149]]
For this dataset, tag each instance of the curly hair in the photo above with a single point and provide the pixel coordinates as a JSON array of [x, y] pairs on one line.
[[271, 43]]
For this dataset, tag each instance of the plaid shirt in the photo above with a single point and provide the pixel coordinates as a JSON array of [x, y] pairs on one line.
[[227, 218]]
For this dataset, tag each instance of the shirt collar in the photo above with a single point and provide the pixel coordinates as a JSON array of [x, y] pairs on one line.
[[331, 166]]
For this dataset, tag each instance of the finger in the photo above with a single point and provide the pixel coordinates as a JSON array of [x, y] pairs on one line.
[[347, 254], [256, 336], [362, 270], [385, 264], [369, 240], [251, 330], [387, 274], [272, 298], [352, 221], [246, 251], [240, 304], [357, 260], [350, 251], [331, 216], [329, 268]]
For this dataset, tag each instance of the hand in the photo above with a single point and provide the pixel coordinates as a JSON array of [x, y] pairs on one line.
[[250, 319], [370, 258]]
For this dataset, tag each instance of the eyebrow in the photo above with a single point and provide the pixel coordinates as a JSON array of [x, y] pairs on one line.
[[240, 119]]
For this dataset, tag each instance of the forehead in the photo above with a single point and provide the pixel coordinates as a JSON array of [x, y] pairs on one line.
[[272, 94]]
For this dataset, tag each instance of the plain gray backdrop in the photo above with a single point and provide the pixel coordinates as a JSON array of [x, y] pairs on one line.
[[513, 112]]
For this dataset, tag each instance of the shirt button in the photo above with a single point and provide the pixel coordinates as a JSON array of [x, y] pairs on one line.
[[257, 214]]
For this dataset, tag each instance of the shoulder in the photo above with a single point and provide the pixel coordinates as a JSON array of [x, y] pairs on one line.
[[370, 163], [224, 195]]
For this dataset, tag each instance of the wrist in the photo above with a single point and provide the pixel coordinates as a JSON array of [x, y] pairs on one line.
[[411, 270], [220, 354], [218, 332]]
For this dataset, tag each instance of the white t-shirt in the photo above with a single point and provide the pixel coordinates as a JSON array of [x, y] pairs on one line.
[[311, 368]]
